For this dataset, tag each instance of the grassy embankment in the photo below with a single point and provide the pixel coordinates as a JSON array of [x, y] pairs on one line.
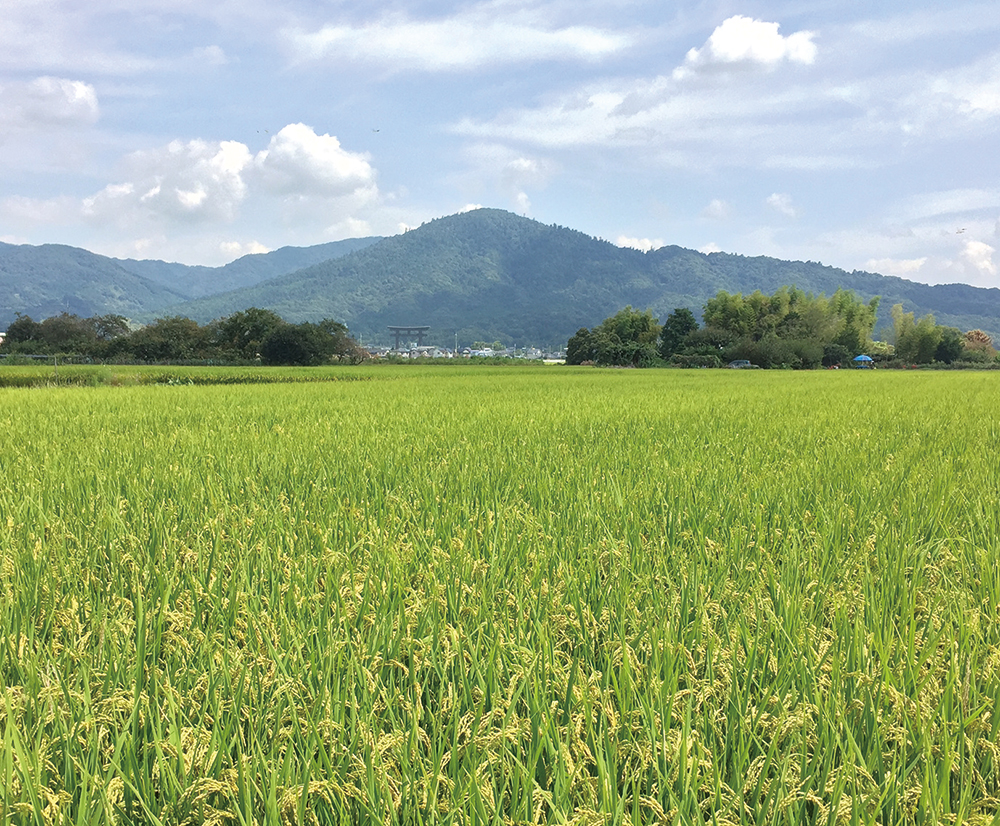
[[503, 596]]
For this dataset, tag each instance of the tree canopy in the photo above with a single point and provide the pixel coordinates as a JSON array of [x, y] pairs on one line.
[[245, 336], [628, 338], [789, 328]]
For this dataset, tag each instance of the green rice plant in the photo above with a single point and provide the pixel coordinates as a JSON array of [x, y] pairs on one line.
[[502, 596]]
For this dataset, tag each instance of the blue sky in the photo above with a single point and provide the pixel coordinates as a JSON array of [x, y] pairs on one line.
[[859, 135]]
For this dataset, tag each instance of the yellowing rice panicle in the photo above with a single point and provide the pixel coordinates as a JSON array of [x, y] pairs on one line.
[[503, 596]]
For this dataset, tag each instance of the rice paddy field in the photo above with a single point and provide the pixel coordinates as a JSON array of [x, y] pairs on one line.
[[503, 596]]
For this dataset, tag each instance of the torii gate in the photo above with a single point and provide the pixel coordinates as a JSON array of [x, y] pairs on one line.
[[409, 331]]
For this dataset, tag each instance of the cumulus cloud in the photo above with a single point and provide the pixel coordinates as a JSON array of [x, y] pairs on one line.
[[299, 162], [929, 254], [349, 227], [237, 249], [781, 202], [728, 117], [471, 39], [903, 267], [744, 40], [46, 102], [203, 182], [190, 182], [979, 256], [688, 123], [644, 244]]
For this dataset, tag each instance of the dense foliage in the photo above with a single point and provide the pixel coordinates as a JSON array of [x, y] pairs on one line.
[[550, 596], [626, 339], [246, 336], [789, 329]]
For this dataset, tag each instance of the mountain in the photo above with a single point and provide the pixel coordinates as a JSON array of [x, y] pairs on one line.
[[51, 279], [490, 274], [198, 282], [485, 274]]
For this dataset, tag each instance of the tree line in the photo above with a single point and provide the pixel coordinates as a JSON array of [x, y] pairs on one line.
[[249, 336], [790, 329]]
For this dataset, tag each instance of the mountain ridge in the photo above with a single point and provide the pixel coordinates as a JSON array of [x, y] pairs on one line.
[[484, 274], [490, 274], [200, 281]]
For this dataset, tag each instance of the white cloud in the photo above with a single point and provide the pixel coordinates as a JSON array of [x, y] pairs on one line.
[[717, 210], [744, 40], [237, 249], [709, 248], [743, 120], [644, 244], [349, 227], [848, 117], [48, 102], [932, 251], [903, 267], [299, 162], [173, 201], [197, 181], [975, 89], [979, 256], [471, 39], [470, 208], [781, 202]]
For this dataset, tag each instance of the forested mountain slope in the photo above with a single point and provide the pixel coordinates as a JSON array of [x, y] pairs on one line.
[[491, 274], [51, 279], [198, 282]]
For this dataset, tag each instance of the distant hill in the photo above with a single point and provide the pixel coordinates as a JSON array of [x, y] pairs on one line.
[[490, 274], [197, 282], [51, 279], [486, 274], [42, 281]]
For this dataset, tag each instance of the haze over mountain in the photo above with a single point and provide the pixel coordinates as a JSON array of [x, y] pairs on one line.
[[485, 274]]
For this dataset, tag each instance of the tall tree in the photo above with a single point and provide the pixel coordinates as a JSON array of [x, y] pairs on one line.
[[677, 327], [241, 333]]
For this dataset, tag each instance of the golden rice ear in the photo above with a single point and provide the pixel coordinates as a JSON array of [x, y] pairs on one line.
[[500, 594]]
